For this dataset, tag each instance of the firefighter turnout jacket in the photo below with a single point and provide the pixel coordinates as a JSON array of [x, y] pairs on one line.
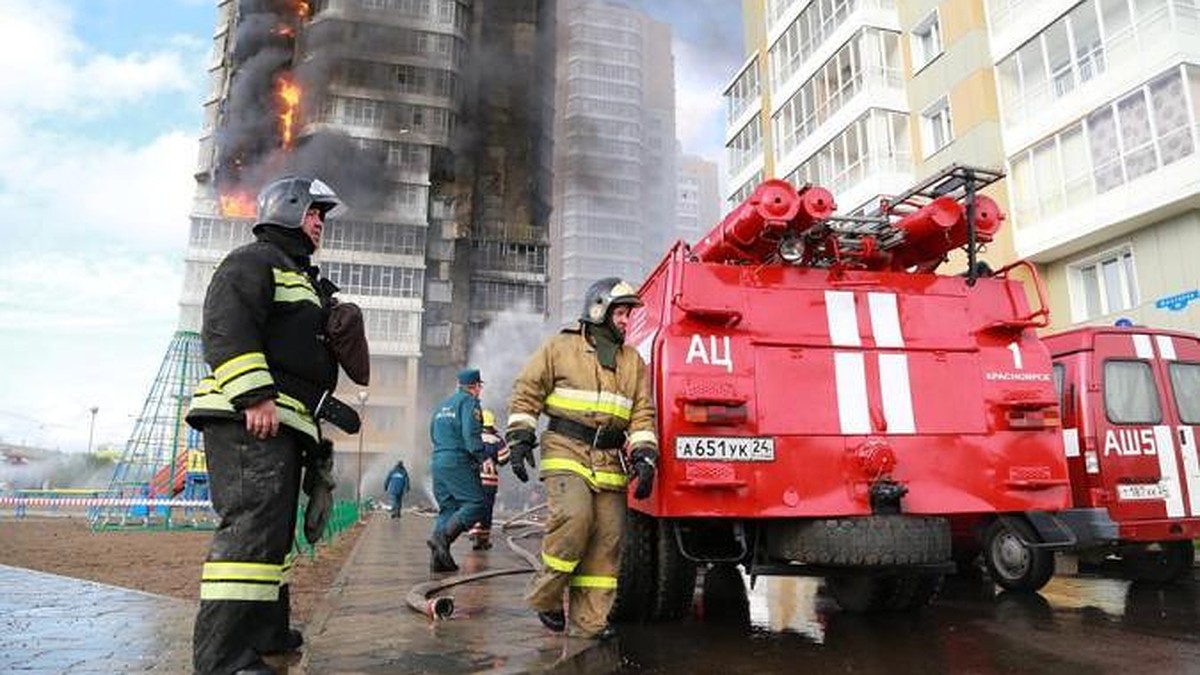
[[495, 455], [263, 336], [565, 381]]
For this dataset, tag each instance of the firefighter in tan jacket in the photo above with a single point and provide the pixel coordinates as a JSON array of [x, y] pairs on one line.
[[596, 392]]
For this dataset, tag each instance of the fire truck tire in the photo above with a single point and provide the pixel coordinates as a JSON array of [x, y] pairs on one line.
[[864, 541], [636, 580], [676, 577], [1172, 562], [1011, 563]]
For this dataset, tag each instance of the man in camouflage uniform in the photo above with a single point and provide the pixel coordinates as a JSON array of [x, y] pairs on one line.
[[596, 392]]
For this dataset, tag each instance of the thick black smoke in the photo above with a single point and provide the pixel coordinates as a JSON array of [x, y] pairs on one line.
[[263, 47]]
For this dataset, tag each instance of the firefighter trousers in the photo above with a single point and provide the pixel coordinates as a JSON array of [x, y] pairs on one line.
[[255, 487], [458, 492], [581, 551]]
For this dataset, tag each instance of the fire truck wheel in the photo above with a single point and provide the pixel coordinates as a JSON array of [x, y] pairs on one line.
[[1171, 561], [676, 578], [1011, 563], [864, 540], [636, 580]]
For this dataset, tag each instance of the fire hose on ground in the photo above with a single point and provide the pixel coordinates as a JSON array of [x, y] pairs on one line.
[[424, 599]]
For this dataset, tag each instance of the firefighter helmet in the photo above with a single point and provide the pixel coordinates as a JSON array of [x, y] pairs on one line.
[[284, 202], [489, 418], [604, 295]]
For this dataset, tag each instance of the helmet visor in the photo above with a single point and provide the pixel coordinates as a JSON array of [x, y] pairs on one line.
[[324, 198]]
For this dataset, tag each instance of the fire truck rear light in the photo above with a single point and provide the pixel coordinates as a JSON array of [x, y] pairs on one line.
[[714, 413]]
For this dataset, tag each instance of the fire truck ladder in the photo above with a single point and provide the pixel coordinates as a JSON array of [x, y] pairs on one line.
[[853, 236], [958, 182]]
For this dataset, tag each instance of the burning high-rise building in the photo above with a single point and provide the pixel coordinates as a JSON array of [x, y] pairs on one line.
[[431, 118]]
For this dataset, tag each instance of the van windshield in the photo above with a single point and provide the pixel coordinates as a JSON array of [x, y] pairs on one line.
[[1129, 393], [1185, 381]]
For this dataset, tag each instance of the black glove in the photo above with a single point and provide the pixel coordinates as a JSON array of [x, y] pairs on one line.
[[520, 451], [319, 486], [642, 465]]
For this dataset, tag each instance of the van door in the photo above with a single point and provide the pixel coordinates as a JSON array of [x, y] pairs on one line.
[[1068, 386], [1141, 467], [1179, 369]]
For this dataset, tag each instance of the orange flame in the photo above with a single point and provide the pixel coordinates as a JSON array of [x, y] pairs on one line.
[[289, 96], [238, 205], [302, 9]]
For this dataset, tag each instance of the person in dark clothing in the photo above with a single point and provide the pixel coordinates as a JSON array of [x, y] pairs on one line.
[[263, 335], [495, 455], [396, 485], [456, 430]]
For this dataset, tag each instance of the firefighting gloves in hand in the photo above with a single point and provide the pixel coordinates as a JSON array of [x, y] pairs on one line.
[[318, 485], [642, 465], [520, 451]]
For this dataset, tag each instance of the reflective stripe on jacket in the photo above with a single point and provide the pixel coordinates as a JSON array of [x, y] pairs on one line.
[[262, 336], [564, 379]]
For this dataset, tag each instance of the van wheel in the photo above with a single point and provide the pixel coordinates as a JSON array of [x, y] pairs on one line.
[[676, 582], [1171, 561], [1011, 563], [636, 580]]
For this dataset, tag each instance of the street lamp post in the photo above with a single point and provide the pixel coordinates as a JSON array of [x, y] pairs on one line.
[[92, 427], [362, 408]]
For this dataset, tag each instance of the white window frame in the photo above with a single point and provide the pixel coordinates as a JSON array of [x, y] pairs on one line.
[[927, 29], [936, 115], [1129, 286]]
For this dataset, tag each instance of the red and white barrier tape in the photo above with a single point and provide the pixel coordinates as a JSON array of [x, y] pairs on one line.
[[104, 501]]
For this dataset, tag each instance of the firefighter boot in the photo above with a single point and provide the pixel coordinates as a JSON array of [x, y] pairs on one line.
[[440, 559], [482, 541], [439, 543]]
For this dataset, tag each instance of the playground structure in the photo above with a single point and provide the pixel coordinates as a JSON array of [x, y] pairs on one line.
[[161, 479]]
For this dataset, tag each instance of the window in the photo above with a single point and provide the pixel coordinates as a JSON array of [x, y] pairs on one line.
[[1129, 393], [926, 41], [936, 129], [1185, 382], [1059, 372], [1104, 285]]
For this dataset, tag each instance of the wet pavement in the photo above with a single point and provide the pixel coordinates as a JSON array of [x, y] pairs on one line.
[[364, 625], [53, 624], [1078, 624]]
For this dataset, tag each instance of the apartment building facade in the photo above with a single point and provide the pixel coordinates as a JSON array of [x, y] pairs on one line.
[[614, 163], [1087, 106], [432, 118], [698, 206]]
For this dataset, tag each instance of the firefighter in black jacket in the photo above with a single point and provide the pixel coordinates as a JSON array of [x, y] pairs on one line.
[[264, 337]]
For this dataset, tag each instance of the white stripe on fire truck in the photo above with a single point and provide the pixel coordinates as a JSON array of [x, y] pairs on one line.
[[1166, 347], [843, 320], [1071, 442], [1141, 345], [885, 320], [897, 395], [1191, 467], [851, 374], [1168, 469]]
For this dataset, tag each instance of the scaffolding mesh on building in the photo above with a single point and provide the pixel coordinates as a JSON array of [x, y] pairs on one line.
[[164, 457]]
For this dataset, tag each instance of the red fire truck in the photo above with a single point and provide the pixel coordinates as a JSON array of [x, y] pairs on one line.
[[1130, 400], [828, 405]]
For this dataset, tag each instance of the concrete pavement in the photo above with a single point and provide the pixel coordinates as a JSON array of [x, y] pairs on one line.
[[53, 624]]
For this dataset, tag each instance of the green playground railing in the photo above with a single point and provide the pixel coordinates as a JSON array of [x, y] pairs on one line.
[[346, 514]]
